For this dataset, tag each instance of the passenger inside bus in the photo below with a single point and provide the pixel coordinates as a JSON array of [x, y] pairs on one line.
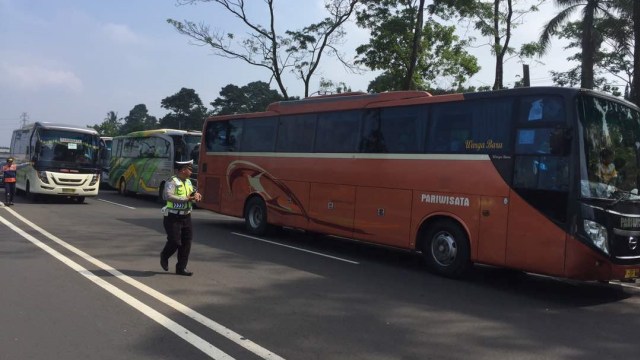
[[606, 169]]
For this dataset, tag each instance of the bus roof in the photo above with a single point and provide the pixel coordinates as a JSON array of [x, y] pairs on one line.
[[163, 131], [353, 101], [55, 126]]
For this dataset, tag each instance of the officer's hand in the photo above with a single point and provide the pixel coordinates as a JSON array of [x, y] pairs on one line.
[[197, 197]]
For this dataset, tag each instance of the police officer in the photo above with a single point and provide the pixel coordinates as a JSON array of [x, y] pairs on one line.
[[9, 172], [180, 195]]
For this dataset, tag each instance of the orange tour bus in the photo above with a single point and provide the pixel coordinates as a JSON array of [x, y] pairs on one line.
[[541, 179]]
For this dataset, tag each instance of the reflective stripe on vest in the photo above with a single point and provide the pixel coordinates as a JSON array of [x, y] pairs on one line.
[[9, 172], [183, 189]]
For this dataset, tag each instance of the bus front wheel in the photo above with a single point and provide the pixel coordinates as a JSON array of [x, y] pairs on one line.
[[255, 216], [28, 194], [446, 249]]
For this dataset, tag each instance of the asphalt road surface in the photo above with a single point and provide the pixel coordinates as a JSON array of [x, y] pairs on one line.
[[83, 281]]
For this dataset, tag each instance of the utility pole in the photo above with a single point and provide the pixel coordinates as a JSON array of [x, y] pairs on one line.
[[24, 118], [526, 82]]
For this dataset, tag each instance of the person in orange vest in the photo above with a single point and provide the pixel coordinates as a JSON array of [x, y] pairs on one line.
[[9, 172]]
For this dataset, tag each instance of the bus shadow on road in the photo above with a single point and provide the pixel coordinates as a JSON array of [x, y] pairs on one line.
[[564, 292]]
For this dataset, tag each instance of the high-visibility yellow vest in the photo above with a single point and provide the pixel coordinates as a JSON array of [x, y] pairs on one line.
[[183, 189]]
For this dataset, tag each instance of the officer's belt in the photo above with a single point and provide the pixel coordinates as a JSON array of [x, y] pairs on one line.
[[179, 212]]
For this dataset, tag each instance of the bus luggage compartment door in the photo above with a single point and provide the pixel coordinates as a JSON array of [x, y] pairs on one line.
[[331, 209], [383, 216]]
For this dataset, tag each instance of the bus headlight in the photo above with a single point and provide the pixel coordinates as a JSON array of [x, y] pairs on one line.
[[94, 179], [598, 235], [43, 176]]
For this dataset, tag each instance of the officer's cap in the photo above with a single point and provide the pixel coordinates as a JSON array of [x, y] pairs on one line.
[[9, 159], [184, 164]]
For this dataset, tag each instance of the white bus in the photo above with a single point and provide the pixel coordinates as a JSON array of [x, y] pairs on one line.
[[55, 159], [142, 161]]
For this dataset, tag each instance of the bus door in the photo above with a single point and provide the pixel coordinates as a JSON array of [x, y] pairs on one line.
[[492, 234], [539, 200]]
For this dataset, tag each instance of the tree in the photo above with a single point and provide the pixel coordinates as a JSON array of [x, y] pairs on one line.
[[495, 20], [613, 53], [591, 9], [297, 51], [412, 53], [634, 95], [187, 111], [138, 119], [110, 126], [253, 97]]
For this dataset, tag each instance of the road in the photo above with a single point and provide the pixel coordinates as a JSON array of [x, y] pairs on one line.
[[83, 281]]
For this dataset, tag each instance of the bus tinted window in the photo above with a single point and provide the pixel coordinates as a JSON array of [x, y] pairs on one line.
[[259, 134], [372, 140], [541, 108], [295, 133], [338, 132], [471, 127], [401, 128], [223, 135]]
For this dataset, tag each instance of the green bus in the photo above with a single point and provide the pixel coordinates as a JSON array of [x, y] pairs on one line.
[[142, 161]]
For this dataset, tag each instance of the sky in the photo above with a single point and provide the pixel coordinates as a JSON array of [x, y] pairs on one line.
[[73, 61]]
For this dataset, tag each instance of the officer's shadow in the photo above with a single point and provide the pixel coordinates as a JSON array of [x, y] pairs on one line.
[[130, 273]]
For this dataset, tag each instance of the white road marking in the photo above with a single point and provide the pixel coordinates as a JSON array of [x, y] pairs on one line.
[[297, 248], [174, 327], [114, 203], [218, 328]]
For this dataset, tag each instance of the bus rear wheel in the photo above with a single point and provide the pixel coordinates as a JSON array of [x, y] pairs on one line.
[[255, 216], [446, 249], [122, 187]]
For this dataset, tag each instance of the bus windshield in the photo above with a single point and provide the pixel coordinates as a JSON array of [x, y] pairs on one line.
[[60, 148], [610, 168]]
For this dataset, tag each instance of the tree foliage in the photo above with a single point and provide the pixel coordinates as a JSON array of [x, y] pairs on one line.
[[138, 119], [590, 36], [186, 111], [110, 126], [296, 51], [412, 54], [496, 21], [255, 96]]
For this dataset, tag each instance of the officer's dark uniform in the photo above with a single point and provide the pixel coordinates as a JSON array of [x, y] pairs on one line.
[[177, 221], [9, 175]]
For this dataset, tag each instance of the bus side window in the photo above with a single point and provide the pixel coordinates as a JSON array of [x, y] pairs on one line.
[[542, 108], [216, 135], [372, 140]]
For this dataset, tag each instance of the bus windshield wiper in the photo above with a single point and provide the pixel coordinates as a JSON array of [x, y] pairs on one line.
[[624, 195]]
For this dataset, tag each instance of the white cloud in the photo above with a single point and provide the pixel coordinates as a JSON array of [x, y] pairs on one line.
[[33, 77], [120, 34]]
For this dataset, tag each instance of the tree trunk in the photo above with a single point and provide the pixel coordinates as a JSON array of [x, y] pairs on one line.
[[635, 83], [501, 49], [415, 49], [588, 46]]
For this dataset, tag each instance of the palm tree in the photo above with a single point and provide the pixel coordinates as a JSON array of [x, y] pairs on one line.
[[590, 10]]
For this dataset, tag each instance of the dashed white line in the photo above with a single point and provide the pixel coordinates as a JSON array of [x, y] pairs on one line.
[[114, 203], [297, 248]]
